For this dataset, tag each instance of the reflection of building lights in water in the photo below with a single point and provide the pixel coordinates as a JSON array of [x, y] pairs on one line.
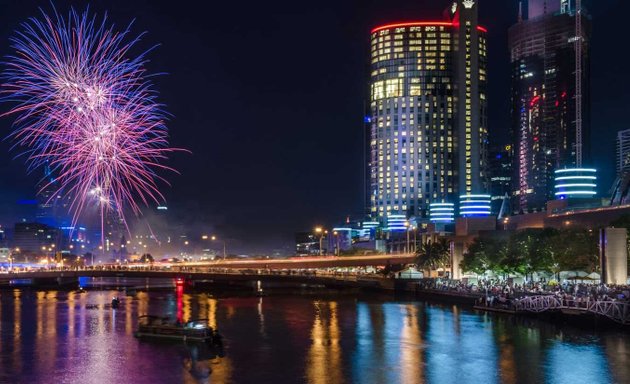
[[221, 368], [324, 356], [410, 351], [261, 316], [17, 321], [180, 302], [212, 313]]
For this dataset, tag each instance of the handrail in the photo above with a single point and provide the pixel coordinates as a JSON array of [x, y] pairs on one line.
[[615, 310]]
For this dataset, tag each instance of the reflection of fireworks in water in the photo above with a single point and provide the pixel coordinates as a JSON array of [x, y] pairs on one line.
[[87, 109]]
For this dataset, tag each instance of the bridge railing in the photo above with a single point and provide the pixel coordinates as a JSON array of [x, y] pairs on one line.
[[618, 311]]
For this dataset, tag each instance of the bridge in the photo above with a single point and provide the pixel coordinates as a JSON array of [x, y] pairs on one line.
[[616, 311], [309, 271], [308, 262]]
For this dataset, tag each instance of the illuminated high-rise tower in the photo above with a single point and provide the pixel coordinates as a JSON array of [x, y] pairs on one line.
[[47, 203], [550, 97], [428, 125]]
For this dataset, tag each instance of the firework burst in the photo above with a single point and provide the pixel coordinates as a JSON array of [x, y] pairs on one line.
[[84, 106]]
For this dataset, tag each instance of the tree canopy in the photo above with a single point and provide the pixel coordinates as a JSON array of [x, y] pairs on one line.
[[534, 250], [433, 255]]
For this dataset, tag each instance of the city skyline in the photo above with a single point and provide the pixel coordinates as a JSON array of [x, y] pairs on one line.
[[323, 181]]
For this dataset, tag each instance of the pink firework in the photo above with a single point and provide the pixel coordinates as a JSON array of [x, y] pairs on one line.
[[83, 105]]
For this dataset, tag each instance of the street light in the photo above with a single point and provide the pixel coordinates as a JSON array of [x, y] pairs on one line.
[[321, 233], [336, 234], [407, 227], [11, 257], [213, 238]]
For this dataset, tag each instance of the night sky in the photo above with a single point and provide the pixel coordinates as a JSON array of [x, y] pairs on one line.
[[269, 98]]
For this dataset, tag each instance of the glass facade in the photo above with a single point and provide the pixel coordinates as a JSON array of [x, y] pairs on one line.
[[426, 98], [544, 103]]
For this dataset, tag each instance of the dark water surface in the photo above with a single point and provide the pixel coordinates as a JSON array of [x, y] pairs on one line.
[[50, 337]]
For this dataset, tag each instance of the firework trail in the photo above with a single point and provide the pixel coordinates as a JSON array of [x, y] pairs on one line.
[[84, 105]]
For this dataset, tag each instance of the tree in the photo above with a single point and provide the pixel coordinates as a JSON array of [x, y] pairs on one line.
[[477, 257], [485, 254], [146, 258], [530, 251], [576, 249], [433, 255]]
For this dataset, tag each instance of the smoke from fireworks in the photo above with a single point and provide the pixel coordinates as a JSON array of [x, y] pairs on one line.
[[83, 105]]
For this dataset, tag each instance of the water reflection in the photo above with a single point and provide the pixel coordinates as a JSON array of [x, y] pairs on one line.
[[50, 336], [324, 356]]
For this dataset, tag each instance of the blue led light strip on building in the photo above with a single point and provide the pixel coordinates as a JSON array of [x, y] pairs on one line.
[[396, 223], [575, 183], [442, 212], [474, 205]]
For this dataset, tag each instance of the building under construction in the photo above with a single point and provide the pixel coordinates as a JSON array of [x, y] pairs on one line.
[[550, 123]]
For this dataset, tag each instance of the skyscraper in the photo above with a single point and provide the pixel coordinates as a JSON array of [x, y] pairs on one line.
[[550, 97], [428, 126], [47, 199], [500, 171]]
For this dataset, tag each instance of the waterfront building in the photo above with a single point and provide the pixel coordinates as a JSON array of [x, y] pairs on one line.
[[427, 114], [306, 244], [550, 97], [36, 238]]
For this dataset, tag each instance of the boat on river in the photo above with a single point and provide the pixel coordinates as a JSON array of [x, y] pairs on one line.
[[155, 327]]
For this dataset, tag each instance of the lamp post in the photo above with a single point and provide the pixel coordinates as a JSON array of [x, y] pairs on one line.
[[407, 228], [320, 231], [337, 251], [213, 238]]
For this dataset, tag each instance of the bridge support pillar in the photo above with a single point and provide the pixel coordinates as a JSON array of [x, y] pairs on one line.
[[613, 255], [457, 255]]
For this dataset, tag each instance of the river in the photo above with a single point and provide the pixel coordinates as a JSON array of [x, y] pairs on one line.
[[326, 337]]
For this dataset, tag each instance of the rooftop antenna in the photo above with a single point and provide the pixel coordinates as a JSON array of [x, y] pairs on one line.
[[578, 83]]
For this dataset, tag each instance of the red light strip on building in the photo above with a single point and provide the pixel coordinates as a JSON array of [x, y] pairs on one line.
[[420, 24]]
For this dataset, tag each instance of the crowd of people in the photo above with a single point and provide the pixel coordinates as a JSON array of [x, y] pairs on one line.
[[504, 294]]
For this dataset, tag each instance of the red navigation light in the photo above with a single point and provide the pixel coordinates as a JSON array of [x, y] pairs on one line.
[[421, 24]]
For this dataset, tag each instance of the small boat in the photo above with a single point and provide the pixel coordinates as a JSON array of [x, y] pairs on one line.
[[155, 327], [115, 303]]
